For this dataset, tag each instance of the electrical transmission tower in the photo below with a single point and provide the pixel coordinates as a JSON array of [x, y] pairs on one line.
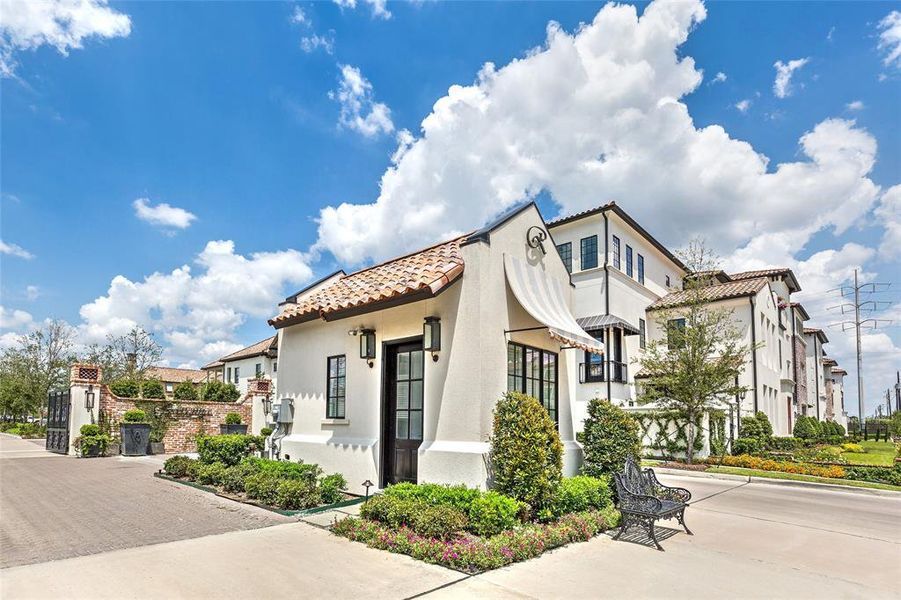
[[857, 306]]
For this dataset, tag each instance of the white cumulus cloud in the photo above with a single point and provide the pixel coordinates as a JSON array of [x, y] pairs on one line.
[[61, 24], [313, 42], [14, 319], [720, 77], [855, 106], [15, 250], [889, 215], [379, 7], [890, 39], [197, 314], [163, 215], [782, 87], [743, 105], [32, 292], [359, 110]]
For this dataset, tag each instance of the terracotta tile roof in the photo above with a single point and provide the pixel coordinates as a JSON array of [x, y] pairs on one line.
[[257, 349], [421, 273], [839, 372], [173, 375], [817, 332], [827, 362], [216, 364], [711, 293], [579, 215], [793, 284]]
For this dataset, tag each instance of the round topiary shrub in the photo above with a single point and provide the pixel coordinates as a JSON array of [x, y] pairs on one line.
[[153, 389], [126, 388], [806, 428], [611, 435], [526, 453], [135, 415], [178, 466], [233, 418], [745, 445], [218, 391], [185, 391]]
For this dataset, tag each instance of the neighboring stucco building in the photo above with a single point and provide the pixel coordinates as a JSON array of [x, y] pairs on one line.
[[816, 378], [618, 270], [501, 301], [253, 362]]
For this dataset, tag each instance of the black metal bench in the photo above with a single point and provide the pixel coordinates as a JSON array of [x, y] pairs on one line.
[[642, 500]]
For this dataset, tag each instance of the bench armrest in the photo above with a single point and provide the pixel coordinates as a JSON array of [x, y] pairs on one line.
[[674, 494], [630, 502]]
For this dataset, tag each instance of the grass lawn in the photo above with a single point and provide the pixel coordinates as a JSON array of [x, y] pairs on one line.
[[877, 453], [795, 477]]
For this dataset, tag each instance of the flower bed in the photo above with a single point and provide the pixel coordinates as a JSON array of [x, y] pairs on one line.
[[753, 462], [473, 531], [226, 465]]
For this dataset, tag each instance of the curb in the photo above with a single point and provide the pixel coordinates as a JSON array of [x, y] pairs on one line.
[[783, 482]]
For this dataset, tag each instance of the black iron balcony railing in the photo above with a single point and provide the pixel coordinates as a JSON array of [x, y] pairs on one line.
[[597, 371]]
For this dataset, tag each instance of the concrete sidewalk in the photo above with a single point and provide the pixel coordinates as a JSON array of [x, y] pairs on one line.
[[751, 540]]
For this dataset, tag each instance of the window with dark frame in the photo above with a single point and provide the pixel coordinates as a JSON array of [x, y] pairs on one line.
[[674, 329], [667, 281], [628, 260], [228, 375], [336, 387], [534, 372], [258, 369], [566, 253], [237, 377], [616, 254], [640, 269], [642, 340], [594, 363], [589, 248]]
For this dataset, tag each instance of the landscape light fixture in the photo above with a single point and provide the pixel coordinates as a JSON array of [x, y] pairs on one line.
[[367, 484], [367, 345], [431, 336]]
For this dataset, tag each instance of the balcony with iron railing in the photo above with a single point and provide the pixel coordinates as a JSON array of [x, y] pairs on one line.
[[597, 371]]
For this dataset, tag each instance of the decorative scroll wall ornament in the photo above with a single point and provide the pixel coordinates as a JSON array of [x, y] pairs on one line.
[[535, 238]]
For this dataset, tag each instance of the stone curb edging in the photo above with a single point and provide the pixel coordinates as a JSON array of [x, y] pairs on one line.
[[286, 513], [786, 482]]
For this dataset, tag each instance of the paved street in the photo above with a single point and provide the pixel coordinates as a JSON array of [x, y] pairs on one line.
[[751, 540], [54, 507]]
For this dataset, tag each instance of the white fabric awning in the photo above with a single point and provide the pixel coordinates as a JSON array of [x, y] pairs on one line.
[[544, 299]]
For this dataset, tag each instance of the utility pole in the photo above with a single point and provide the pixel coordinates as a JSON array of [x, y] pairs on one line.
[[854, 291]]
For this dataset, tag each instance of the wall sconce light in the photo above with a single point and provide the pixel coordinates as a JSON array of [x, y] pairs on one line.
[[367, 345], [89, 398], [267, 405], [431, 336]]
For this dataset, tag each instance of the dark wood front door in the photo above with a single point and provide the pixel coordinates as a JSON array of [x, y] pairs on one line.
[[402, 417]]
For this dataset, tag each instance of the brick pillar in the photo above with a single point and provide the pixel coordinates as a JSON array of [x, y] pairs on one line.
[[258, 390]]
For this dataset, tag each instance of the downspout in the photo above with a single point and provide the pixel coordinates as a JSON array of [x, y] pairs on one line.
[[754, 351], [607, 302]]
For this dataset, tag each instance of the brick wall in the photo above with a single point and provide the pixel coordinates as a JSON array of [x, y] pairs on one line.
[[187, 418]]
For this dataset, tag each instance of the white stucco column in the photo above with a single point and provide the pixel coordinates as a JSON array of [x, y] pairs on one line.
[[84, 380]]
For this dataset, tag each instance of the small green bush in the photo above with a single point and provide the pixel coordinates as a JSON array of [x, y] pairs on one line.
[[266, 432], [427, 520], [30, 430], [185, 391], [135, 415], [263, 487], [458, 496], [439, 521], [285, 469], [330, 488], [90, 429], [578, 494], [297, 494], [806, 428], [91, 438], [211, 474], [126, 388], [611, 435], [745, 445], [233, 418], [786, 444], [178, 466], [227, 449], [236, 476], [153, 388], [491, 513], [853, 448], [889, 475], [526, 453], [218, 391]]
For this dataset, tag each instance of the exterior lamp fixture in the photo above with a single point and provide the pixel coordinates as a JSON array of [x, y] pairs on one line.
[[267, 405], [89, 398], [367, 484], [367, 345], [431, 336]]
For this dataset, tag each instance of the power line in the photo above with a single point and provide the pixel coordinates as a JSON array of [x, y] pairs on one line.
[[855, 305]]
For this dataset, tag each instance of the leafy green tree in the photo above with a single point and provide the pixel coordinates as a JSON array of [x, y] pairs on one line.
[[695, 365], [217, 391], [185, 391], [153, 388], [611, 435]]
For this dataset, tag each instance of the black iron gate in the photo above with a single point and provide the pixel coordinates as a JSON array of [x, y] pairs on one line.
[[58, 405]]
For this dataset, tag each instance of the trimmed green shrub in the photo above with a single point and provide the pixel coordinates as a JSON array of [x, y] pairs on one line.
[[439, 521], [806, 428], [227, 449], [153, 388], [126, 388], [785, 444], [611, 435], [236, 476], [218, 391], [263, 487], [285, 469], [330, 488], [185, 391], [526, 453], [233, 418], [889, 475], [266, 432], [491, 513], [428, 520], [178, 466], [135, 415], [581, 493], [297, 494], [458, 496], [211, 474], [91, 438], [765, 425], [745, 445], [30, 430], [90, 429]]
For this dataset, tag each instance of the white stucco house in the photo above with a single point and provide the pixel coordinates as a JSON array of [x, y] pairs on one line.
[[816, 375], [391, 373], [260, 359]]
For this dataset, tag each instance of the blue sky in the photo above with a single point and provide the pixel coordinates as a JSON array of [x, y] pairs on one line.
[[219, 110]]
